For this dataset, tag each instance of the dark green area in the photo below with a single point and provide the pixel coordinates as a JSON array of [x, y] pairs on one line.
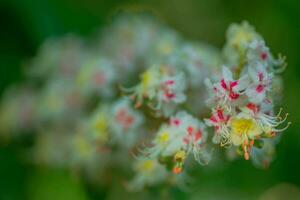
[[25, 24]]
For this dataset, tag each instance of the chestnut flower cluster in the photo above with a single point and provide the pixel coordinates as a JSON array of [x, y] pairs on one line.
[[135, 100], [242, 98]]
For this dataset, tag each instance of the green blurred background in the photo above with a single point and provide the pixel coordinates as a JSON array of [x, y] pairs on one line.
[[25, 24]]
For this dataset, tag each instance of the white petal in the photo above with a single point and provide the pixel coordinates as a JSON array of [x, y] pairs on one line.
[[227, 74], [254, 96]]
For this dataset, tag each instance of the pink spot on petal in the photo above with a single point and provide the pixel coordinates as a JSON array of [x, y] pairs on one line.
[[169, 82], [259, 88], [215, 90], [190, 130], [264, 55], [124, 119], [233, 84], [252, 107], [186, 140], [176, 122], [169, 95], [223, 84], [220, 114], [198, 135], [260, 76], [233, 95], [213, 119]]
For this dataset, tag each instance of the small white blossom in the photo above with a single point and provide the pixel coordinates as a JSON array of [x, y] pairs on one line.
[[125, 125], [97, 76], [161, 88], [227, 90], [148, 172], [260, 83], [118, 124], [184, 135]]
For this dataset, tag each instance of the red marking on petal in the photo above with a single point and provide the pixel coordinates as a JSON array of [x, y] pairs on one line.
[[259, 88], [263, 55], [169, 82], [186, 140], [233, 95], [190, 130], [213, 119], [260, 76], [215, 89], [129, 120], [233, 84], [252, 107], [124, 119], [198, 135], [169, 95], [176, 122], [223, 84], [220, 114]]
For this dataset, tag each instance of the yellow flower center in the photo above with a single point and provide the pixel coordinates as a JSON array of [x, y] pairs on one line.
[[243, 126], [163, 137], [101, 126], [146, 79], [146, 165]]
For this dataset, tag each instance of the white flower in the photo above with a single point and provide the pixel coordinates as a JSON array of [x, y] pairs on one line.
[[117, 123], [184, 135], [60, 99], [150, 81], [258, 52], [227, 90], [251, 124], [97, 76], [268, 123], [219, 120], [261, 83], [172, 88], [238, 38], [125, 123], [148, 172], [161, 87]]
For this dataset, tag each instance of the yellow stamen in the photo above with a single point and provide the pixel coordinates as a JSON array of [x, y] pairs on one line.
[[146, 165], [179, 159], [243, 126], [164, 137], [180, 156]]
